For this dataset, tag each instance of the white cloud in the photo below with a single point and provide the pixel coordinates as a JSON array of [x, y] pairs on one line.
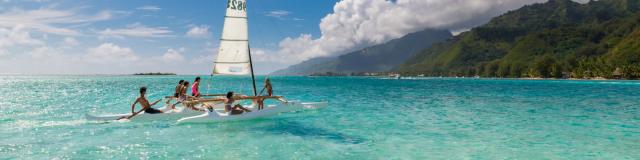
[[208, 57], [17, 36], [172, 55], [359, 23], [290, 49], [136, 30], [277, 13], [149, 8], [110, 53], [198, 31], [458, 31], [45, 53], [47, 20], [70, 41], [204, 59], [3, 53]]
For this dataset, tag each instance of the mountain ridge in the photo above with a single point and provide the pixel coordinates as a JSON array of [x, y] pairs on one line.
[[559, 38], [376, 58]]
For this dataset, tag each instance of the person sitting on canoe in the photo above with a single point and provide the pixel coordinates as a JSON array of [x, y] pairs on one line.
[[194, 88], [146, 107], [269, 88], [176, 93], [182, 93], [179, 87], [235, 110]]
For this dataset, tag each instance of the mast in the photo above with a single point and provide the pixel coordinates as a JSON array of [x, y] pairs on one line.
[[253, 77]]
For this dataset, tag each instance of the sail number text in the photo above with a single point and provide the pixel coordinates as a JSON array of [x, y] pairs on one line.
[[237, 5]]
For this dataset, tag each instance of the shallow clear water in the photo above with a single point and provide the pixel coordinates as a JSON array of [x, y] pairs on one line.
[[42, 117]]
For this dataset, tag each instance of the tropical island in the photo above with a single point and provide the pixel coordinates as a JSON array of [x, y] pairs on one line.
[[153, 74], [560, 38], [556, 39]]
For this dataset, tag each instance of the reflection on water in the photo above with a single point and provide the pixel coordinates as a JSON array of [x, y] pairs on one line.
[[308, 131]]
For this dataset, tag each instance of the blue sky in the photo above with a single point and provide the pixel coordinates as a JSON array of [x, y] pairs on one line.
[[148, 28], [124, 37]]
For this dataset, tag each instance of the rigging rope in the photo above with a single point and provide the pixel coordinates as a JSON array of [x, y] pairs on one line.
[[209, 84]]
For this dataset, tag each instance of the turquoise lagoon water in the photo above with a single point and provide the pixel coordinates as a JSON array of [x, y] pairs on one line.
[[42, 117]]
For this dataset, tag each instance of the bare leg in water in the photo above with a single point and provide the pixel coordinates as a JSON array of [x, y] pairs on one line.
[[259, 102]]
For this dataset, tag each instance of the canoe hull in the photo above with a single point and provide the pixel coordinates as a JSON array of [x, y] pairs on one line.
[[268, 111], [169, 114]]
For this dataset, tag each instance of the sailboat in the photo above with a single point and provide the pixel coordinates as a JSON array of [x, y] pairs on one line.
[[234, 58]]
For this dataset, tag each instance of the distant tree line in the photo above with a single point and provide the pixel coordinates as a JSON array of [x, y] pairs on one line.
[[557, 39], [153, 73]]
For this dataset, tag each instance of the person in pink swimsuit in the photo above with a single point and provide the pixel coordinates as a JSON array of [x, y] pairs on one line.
[[194, 87]]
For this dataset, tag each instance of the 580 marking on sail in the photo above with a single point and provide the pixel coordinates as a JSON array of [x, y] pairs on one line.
[[237, 5]]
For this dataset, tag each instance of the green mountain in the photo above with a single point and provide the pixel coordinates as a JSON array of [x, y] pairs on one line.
[[376, 58], [308, 67], [553, 39]]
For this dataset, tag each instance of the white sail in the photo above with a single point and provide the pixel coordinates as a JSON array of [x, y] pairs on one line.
[[233, 56]]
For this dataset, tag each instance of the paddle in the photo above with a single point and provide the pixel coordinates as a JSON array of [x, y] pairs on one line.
[[131, 116], [134, 114]]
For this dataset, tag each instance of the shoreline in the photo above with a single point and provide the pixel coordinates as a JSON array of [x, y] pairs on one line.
[[591, 79], [496, 78]]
